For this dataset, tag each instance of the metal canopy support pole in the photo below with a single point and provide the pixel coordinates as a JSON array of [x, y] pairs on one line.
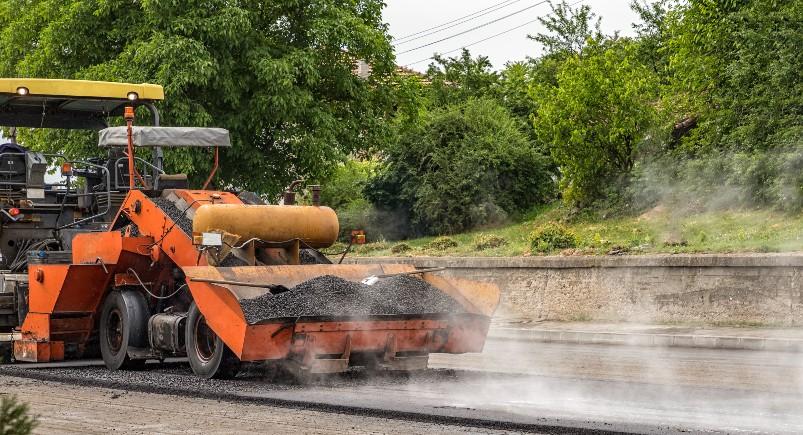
[[158, 154], [129, 121], [214, 169], [132, 170]]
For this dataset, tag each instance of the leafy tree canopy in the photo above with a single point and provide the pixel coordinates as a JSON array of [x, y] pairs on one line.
[[456, 79], [277, 74], [596, 117], [567, 29], [738, 67]]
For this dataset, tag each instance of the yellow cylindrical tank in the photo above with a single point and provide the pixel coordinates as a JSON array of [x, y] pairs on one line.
[[316, 226]]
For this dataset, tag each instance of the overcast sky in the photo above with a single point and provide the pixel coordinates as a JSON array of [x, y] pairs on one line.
[[406, 17]]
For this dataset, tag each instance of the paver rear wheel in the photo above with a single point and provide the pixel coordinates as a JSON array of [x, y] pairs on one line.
[[6, 352], [123, 325], [209, 357]]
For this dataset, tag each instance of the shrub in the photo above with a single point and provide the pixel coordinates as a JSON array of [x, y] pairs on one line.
[[370, 247], [400, 248], [551, 237], [442, 243], [488, 241], [377, 224], [343, 191], [14, 418], [347, 182], [466, 165], [720, 180]]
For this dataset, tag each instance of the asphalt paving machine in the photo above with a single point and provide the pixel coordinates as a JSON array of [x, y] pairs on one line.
[[168, 274]]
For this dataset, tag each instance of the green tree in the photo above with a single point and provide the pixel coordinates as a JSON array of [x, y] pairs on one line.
[[14, 418], [456, 79], [278, 75], [738, 67], [347, 183], [596, 117], [568, 30], [512, 90], [466, 165], [653, 33]]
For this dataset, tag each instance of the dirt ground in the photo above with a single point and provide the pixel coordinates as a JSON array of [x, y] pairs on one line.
[[67, 409]]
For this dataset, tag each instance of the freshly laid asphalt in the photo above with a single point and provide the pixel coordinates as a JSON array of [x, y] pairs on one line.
[[520, 386]]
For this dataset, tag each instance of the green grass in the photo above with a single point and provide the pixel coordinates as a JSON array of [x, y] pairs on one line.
[[656, 231]]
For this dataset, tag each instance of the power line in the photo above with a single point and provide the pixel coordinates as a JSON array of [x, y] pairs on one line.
[[440, 28], [485, 39], [476, 42], [473, 28]]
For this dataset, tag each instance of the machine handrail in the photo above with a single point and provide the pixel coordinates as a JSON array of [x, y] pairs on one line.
[[108, 192], [147, 163], [52, 157]]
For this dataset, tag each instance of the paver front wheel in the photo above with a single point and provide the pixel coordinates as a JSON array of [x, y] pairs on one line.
[[209, 357], [123, 325]]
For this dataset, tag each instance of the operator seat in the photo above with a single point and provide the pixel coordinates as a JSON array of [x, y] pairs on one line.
[[12, 164], [171, 181]]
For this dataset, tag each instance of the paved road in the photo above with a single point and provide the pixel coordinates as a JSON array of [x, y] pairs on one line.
[[516, 385], [698, 389]]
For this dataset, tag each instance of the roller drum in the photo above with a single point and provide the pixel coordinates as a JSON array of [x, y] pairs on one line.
[[316, 226]]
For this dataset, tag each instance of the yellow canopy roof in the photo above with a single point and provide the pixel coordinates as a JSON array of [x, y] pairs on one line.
[[76, 104], [81, 89]]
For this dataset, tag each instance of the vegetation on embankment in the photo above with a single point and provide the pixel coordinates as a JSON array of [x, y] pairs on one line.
[[700, 110], [659, 230]]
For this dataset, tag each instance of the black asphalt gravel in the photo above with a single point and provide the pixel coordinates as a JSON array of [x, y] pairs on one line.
[[334, 296], [170, 209]]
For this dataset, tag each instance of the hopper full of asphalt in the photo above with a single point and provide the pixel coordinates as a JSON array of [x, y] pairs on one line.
[[332, 296], [178, 216]]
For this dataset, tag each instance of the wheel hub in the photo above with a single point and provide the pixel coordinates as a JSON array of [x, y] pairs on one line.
[[205, 340], [114, 330]]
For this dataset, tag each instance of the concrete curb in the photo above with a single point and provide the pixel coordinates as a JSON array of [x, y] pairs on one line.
[[787, 259], [651, 340]]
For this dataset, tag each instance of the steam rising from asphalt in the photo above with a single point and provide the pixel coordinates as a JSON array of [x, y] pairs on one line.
[[673, 388], [722, 181]]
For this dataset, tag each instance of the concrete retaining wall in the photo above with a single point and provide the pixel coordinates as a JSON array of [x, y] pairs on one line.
[[706, 289]]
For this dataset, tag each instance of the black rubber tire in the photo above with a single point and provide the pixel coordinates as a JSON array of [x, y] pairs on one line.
[[129, 312], [209, 358], [6, 353]]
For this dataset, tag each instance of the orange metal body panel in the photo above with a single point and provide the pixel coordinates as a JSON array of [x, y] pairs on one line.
[[36, 326], [458, 334], [66, 287], [72, 330], [467, 335], [477, 297], [153, 222], [222, 312], [38, 351], [45, 282], [106, 247]]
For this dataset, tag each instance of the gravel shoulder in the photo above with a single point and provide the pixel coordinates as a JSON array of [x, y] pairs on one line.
[[68, 409]]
